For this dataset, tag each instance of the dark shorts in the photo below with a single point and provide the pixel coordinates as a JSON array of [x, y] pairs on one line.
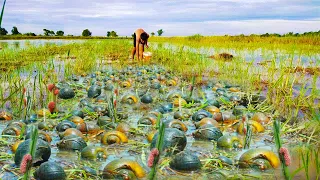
[[134, 40]]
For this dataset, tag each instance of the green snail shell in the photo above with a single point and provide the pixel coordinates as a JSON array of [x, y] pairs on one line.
[[50, 171]]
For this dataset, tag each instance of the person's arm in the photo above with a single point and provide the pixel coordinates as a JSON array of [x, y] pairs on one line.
[[137, 47], [147, 44]]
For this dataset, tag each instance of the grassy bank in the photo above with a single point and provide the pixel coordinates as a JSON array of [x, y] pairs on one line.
[[305, 44]]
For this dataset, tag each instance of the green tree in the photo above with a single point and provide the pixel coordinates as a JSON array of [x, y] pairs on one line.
[[152, 33], [113, 34], [60, 33], [160, 32], [86, 32], [108, 34], [48, 32], [3, 31], [15, 31]]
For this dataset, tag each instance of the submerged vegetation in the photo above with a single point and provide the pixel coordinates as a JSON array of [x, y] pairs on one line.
[[267, 80]]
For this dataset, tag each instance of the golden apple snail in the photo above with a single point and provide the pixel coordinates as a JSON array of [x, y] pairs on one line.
[[173, 95], [126, 84], [207, 132], [129, 99], [49, 171], [76, 119], [179, 102], [111, 170], [256, 127], [42, 135], [185, 161], [200, 115], [205, 121], [64, 125], [147, 98], [181, 115], [212, 109], [88, 128], [94, 153], [148, 119], [174, 140], [43, 112], [66, 93], [12, 130], [123, 127], [228, 141], [5, 116], [176, 124], [259, 157], [94, 91], [15, 146], [43, 151], [71, 131], [72, 142], [112, 137], [224, 117]]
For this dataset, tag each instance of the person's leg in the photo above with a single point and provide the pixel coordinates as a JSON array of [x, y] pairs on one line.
[[133, 52], [141, 50]]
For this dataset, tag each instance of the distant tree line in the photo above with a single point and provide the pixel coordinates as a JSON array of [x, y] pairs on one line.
[[47, 32]]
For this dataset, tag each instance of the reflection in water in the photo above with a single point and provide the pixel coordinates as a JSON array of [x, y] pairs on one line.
[[17, 44]]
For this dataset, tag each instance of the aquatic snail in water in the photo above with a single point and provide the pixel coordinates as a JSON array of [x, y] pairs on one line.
[[88, 128], [66, 93], [148, 119], [5, 116], [207, 132], [147, 98], [112, 137], [76, 120], [173, 95], [256, 127], [46, 125], [224, 117], [64, 125], [129, 99], [181, 115], [259, 157], [126, 84], [124, 169], [72, 142], [261, 118], [212, 109], [171, 82], [42, 135], [15, 146], [50, 170], [123, 127], [228, 141], [43, 112], [174, 140], [177, 102], [94, 153], [94, 91], [205, 121], [71, 131], [43, 151], [185, 161], [176, 124], [197, 116]]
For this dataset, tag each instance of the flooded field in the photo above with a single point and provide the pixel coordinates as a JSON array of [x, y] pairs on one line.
[[181, 115]]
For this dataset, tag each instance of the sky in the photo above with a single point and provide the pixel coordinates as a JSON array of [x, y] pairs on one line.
[[175, 17]]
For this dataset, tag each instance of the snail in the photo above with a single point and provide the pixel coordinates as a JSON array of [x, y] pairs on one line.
[[185, 161], [171, 82], [224, 117], [207, 132], [147, 98], [112, 137], [94, 91], [174, 140], [181, 115], [94, 153], [63, 125], [71, 131], [116, 167], [42, 153], [129, 99], [14, 147], [200, 115], [50, 170], [149, 119], [176, 124], [104, 120], [12, 130], [66, 93], [46, 126], [78, 113], [256, 127], [172, 95], [228, 141], [205, 121], [5, 116], [72, 142], [259, 157], [239, 110], [76, 120], [179, 102], [88, 128], [125, 84], [42, 135], [212, 109]]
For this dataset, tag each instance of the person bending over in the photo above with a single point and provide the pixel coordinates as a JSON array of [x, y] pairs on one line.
[[140, 39]]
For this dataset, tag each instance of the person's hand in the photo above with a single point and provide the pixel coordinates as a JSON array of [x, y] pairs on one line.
[[147, 46]]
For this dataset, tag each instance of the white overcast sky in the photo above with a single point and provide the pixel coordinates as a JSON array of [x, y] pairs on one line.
[[175, 17]]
